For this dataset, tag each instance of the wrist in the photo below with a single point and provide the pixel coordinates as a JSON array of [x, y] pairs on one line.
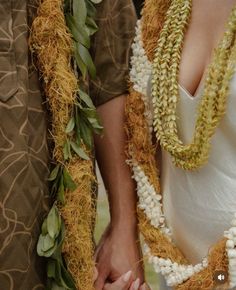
[[124, 222]]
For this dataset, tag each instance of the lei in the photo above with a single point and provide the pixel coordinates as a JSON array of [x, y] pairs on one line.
[[156, 50], [60, 38], [165, 90]]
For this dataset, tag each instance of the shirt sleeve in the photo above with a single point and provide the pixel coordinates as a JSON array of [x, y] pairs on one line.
[[111, 47]]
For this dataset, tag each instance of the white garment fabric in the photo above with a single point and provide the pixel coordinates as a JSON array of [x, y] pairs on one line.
[[199, 205]]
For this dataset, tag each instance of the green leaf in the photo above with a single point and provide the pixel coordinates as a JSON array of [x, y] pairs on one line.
[[57, 254], [50, 252], [55, 185], [86, 133], [93, 119], [77, 131], [44, 227], [40, 246], [53, 222], [40, 251], [79, 11], [62, 234], [71, 125], [68, 181], [91, 10], [59, 277], [86, 58], [66, 150], [90, 113], [51, 268], [58, 273], [78, 32], [67, 278], [48, 243], [56, 287], [81, 65], [61, 191], [49, 284], [79, 151], [91, 25], [54, 173], [96, 1], [86, 99], [97, 128]]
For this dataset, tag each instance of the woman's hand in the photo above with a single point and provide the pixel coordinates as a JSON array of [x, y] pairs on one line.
[[119, 252], [123, 283]]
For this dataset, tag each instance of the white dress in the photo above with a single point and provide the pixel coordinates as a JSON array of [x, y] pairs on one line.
[[199, 205]]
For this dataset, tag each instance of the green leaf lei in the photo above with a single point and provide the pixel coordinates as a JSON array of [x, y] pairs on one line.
[[79, 15]]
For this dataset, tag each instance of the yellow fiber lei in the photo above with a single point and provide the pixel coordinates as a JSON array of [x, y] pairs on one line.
[[165, 89], [60, 40]]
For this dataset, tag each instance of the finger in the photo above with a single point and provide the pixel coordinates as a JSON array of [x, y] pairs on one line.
[[103, 273], [144, 286], [135, 285], [95, 274], [122, 283], [97, 251], [100, 244], [100, 281]]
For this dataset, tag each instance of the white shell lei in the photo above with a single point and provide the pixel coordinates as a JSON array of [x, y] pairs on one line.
[[149, 200]]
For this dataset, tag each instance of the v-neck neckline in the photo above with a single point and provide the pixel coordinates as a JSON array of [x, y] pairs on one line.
[[202, 81], [199, 89]]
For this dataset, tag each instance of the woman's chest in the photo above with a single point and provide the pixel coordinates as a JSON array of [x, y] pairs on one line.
[[205, 30]]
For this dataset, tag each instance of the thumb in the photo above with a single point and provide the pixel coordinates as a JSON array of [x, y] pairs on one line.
[[122, 283], [100, 281], [95, 274]]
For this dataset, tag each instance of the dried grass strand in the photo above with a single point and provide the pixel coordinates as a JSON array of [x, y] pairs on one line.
[[52, 43]]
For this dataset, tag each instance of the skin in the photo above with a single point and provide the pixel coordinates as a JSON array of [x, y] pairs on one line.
[[113, 258], [118, 250], [206, 29]]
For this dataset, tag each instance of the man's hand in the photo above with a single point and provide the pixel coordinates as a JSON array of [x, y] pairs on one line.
[[119, 252]]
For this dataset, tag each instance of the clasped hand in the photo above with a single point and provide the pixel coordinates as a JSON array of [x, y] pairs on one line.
[[119, 261]]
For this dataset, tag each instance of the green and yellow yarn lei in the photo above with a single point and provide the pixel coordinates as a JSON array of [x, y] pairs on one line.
[[165, 89]]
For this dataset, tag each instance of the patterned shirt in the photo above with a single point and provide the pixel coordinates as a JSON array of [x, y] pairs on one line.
[[24, 153]]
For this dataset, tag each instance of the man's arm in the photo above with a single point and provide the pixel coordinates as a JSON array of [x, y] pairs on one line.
[[119, 249]]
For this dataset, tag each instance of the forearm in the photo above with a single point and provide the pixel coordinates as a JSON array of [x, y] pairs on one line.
[[116, 174]]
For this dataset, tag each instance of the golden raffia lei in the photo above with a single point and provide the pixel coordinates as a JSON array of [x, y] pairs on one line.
[[165, 89]]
